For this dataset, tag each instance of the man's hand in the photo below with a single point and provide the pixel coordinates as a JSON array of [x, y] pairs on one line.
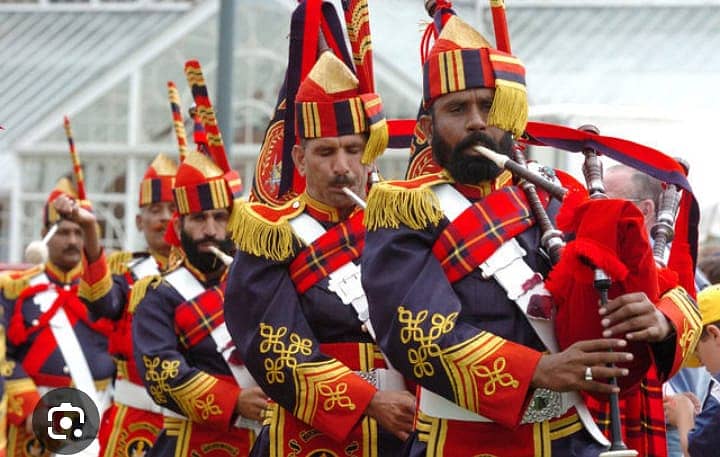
[[251, 403], [69, 209], [565, 371], [634, 317], [394, 410]]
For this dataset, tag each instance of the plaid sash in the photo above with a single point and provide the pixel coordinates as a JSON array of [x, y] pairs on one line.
[[339, 245], [195, 319], [473, 236]]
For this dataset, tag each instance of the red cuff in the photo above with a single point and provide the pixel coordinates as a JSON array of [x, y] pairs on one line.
[[683, 315], [341, 404], [96, 281]]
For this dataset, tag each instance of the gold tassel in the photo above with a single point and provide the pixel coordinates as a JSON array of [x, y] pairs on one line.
[[118, 262], [139, 289], [509, 110], [388, 206], [257, 236], [377, 142]]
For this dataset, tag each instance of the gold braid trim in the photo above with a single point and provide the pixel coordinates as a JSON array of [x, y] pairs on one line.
[[259, 236], [118, 262], [390, 205], [140, 288], [14, 283]]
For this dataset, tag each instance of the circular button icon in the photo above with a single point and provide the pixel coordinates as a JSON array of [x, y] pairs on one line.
[[66, 421]]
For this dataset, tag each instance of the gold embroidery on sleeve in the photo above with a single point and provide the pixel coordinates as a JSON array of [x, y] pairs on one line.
[[335, 396], [496, 376], [168, 369], [272, 342], [207, 406], [412, 332]]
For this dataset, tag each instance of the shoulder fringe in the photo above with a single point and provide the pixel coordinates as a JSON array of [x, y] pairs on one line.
[[140, 288], [118, 262], [390, 205], [257, 236], [13, 283]]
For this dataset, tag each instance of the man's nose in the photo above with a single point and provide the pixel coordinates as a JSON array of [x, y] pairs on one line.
[[341, 165], [213, 228], [476, 119]]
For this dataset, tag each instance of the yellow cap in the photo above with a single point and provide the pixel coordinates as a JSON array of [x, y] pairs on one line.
[[709, 303]]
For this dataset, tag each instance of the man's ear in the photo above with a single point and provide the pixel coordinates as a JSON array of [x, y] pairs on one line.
[[426, 125], [298, 155], [138, 222], [714, 332]]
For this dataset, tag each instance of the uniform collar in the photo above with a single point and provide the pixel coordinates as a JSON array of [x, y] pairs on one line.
[[56, 275], [321, 211], [161, 260], [483, 189]]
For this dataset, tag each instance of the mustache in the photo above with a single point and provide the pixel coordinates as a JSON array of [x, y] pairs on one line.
[[208, 239], [158, 226], [71, 250], [476, 138], [341, 180]]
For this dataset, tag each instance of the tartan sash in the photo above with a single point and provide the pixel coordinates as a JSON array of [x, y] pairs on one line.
[[339, 245], [195, 319], [473, 236]]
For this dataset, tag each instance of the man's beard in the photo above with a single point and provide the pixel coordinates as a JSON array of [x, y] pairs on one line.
[[206, 262], [470, 169]]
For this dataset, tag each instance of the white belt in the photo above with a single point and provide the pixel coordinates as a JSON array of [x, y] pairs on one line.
[[130, 394], [435, 405], [384, 378]]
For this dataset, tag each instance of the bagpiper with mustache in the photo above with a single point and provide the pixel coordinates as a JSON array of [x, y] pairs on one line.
[[52, 341], [459, 291], [294, 304]]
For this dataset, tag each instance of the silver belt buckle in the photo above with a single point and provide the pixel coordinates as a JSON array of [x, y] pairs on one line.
[[346, 284], [545, 405]]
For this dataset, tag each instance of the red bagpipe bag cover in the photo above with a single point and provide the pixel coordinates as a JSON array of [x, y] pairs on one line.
[[608, 234]]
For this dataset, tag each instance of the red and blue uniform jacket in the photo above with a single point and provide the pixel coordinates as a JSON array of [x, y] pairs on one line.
[[300, 342], [454, 331]]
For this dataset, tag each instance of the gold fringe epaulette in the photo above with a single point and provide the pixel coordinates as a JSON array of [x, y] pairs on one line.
[[15, 282], [264, 230], [140, 288], [118, 262], [412, 203]]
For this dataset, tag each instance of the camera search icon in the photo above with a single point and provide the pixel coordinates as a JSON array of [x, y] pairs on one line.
[[66, 421]]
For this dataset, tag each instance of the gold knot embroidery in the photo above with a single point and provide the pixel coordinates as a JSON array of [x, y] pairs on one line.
[[496, 376], [335, 396], [286, 353], [208, 407], [411, 332], [168, 369]]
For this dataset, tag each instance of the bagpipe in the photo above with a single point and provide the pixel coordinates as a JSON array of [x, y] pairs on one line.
[[609, 253]]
